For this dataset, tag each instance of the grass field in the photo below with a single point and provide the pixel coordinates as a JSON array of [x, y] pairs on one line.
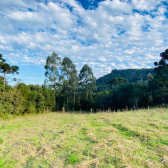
[[52, 140]]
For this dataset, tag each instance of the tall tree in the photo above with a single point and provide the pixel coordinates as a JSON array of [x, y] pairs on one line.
[[5, 68], [161, 77], [53, 72], [164, 58], [70, 78], [136, 94], [87, 81]]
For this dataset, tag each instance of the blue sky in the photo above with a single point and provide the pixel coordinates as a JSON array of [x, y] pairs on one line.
[[109, 34]]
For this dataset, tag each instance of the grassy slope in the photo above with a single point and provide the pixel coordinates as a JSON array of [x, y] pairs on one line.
[[125, 139]]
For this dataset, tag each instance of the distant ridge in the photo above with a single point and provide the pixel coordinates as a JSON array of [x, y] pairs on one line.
[[132, 75]]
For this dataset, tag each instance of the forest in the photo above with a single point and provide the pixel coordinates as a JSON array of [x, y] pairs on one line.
[[65, 89]]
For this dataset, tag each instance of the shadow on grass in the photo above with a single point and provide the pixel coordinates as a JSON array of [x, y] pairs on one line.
[[147, 140], [125, 131]]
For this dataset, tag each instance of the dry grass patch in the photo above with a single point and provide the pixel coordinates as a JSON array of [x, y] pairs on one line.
[[126, 139]]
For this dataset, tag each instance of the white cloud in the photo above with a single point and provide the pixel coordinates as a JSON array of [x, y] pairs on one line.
[[103, 59], [110, 36], [146, 4], [115, 7], [31, 77]]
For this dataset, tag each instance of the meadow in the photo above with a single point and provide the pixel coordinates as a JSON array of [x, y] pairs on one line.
[[132, 139]]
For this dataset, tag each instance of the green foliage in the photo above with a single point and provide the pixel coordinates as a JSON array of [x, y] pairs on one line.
[[1, 140], [5, 68], [65, 89], [160, 82], [12, 102], [87, 79], [31, 108], [24, 90], [164, 58], [70, 77], [49, 98], [24, 99], [87, 83], [118, 81], [132, 75], [52, 67], [53, 73]]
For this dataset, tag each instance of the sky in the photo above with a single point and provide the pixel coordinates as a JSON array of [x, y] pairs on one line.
[[106, 35]]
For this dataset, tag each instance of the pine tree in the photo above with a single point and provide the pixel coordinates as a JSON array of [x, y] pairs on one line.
[[5, 68]]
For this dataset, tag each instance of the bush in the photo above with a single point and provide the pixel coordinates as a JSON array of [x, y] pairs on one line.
[[11, 102]]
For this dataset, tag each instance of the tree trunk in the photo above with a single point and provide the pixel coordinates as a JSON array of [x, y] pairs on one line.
[[4, 80], [86, 95], [67, 99], [67, 103], [74, 98], [152, 98], [87, 100], [55, 100], [55, 96], [136, 103]]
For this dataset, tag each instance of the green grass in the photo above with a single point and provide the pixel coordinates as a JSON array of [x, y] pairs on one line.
[[1, 140], [108, 140]]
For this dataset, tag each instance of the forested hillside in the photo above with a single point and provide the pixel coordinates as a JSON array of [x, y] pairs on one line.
[[132, 75]]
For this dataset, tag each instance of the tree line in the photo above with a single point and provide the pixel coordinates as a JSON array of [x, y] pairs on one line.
[[65, 89], [71, 90]]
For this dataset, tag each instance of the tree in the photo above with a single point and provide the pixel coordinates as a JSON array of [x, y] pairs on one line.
[[53, 72], [24, 90], [164, 58], [5, 68], [102, 100], [161, 77], [87, 82], [116, 82], [150, 87], [12, 102], [149, 77], [136, 94], [70, 78]]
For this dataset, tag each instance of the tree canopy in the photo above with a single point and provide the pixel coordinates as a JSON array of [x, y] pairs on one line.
[[5, 68]]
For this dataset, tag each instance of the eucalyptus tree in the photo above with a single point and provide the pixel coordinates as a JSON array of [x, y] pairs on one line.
[[53, 73], [70, 79], [5, 68], [87, 82]]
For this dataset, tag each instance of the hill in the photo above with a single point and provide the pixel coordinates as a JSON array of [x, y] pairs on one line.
[[132, 75]]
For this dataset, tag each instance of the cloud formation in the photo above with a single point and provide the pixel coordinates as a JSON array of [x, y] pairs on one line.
[[115, 34]]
